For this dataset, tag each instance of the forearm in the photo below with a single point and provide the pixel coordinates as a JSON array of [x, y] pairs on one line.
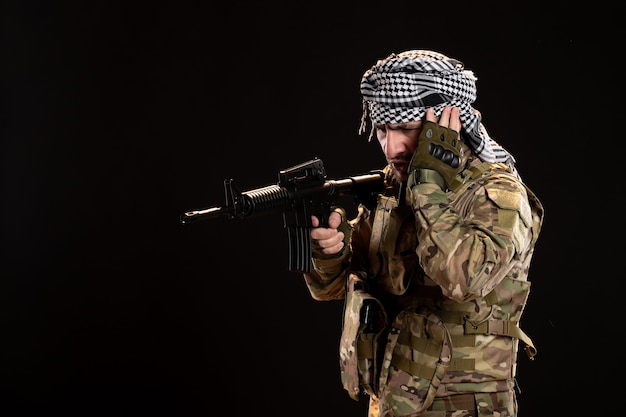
[[327, 279]]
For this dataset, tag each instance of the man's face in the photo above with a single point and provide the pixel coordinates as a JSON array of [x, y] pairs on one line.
[[398, 142]]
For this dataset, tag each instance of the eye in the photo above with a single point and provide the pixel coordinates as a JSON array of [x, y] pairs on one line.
[[381, 133], [409, 127]]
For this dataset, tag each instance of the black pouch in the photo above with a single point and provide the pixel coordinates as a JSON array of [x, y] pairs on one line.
[[364, 324]]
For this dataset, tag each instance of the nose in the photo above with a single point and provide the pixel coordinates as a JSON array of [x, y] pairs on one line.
[[395, 143]]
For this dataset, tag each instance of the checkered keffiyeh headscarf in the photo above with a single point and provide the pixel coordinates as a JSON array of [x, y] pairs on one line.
[[402, 86]]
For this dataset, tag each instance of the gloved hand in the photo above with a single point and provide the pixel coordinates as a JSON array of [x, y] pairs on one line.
[[326, 241], [437, 158]]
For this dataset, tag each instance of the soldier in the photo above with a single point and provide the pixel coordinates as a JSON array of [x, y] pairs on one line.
[[434, 276]]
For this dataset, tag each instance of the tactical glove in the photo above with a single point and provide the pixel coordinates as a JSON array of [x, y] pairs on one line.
[[344, 227], [437, 158]]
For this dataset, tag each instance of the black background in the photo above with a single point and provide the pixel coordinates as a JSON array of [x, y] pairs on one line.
[[118, 117]]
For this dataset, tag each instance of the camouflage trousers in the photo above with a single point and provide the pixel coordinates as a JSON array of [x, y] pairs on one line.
[[479, 404]]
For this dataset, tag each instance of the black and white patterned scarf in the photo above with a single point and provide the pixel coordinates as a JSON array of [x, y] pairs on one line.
[[402, 86]]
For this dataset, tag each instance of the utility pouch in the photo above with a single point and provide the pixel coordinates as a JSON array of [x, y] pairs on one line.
[[364, 324], [418, 352]]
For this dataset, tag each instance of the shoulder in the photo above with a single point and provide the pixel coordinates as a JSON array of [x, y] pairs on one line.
[[508, 192]]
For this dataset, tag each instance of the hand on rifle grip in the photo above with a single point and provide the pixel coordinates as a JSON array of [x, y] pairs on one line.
[[333, 239]]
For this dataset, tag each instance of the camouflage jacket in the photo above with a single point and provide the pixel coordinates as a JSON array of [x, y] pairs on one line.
[[465, 254]]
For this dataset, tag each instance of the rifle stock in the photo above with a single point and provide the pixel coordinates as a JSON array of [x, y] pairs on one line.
[[301, 192]]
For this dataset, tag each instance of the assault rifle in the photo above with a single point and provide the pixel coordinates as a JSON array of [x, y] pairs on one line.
[[302, 191]]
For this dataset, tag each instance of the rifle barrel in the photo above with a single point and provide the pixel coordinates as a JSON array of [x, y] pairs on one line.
[[195, 215]]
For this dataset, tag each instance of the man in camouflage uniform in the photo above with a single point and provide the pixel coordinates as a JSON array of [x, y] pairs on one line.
[[435, 275]]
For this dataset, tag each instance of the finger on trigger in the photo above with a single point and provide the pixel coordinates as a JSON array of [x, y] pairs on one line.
[[315, 221]]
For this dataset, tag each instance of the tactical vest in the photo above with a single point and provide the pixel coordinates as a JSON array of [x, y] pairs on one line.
[[428, 346]]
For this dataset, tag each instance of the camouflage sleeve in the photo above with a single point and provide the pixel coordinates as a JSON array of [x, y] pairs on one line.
[[327, 279], [467, 254]]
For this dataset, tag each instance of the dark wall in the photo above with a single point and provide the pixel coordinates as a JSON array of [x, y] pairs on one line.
[[118, 118]]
